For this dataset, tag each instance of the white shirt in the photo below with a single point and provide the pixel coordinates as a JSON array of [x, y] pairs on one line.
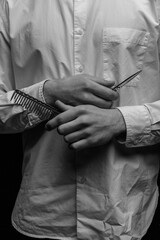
[[109, 192]]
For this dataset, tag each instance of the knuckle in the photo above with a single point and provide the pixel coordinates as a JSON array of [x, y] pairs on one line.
[[86, 83], [83, 120], [80, 109], [60, 130], [85, 97], [114, 95], [89, 142], [66, 139], [83, 108], [58, 120], [109, 104], [69, 138], [87, 133], [93, 141]]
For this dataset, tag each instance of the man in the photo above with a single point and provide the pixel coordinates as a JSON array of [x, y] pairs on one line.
[[96, 177]]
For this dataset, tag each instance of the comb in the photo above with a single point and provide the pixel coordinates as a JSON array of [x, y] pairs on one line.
[[43, 110]]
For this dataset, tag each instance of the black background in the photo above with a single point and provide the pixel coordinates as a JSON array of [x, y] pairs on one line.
[[10, 178]]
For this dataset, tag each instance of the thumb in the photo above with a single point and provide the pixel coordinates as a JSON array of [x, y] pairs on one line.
[[62, 106], [108, 83]]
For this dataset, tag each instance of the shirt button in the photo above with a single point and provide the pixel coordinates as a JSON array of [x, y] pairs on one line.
[[80, 69], [79, 31], [81, 180]]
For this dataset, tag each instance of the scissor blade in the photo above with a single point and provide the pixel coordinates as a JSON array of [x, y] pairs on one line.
[[126, 80]]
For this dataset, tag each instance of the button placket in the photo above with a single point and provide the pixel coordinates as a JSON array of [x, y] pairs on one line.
[[79, 26], [79, 31], [81, 179]]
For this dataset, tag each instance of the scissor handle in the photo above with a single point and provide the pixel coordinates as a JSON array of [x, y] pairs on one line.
[[126, 81]]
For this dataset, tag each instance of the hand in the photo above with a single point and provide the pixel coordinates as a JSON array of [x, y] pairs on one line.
[[87, 126], [80, 90]]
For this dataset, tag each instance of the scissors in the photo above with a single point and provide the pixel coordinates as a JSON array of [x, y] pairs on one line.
[[117, 87]]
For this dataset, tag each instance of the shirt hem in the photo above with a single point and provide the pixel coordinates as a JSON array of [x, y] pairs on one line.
[[17, 228]]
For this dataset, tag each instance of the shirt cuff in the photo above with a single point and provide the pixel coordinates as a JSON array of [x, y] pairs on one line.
[[35, 91], [41, 91], [138, 125]]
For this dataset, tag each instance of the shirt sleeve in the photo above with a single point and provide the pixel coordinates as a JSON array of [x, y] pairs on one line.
[[142, 124], [13, 117]]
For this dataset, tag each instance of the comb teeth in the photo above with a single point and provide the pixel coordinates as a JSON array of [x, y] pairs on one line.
[[43, 110]]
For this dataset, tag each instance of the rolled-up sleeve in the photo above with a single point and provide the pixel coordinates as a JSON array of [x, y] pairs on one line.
[[13, 117], [142, 124]]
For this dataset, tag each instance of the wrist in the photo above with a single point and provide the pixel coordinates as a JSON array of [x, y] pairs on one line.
[[120, 129], [49, 91]]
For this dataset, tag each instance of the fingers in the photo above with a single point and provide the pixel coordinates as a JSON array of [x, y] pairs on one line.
[[62, 106], [70, 127], [94, 100], [78, 140], [75, 136], [62, 118], [101, 88], [79, 145], [103, 82], [104, 92], [89, 99]]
